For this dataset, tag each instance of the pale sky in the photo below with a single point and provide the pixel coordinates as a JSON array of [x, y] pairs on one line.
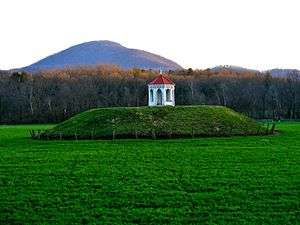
[[257, 34]]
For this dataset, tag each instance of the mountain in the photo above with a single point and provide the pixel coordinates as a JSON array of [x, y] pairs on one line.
[[103, 52], [4, 72], [273, 72], [232, 68], [284, 72]]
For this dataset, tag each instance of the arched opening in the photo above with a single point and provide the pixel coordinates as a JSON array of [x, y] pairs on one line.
[[159, 97], [168, 95], [151, 95]]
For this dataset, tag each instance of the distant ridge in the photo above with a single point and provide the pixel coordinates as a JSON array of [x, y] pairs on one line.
[[103, 52], [237, 69], [284, 72], [274, 72]]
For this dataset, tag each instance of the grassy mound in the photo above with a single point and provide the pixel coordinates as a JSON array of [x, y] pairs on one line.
[[155, 122]]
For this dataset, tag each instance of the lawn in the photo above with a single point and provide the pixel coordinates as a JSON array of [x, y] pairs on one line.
[[240, 180]]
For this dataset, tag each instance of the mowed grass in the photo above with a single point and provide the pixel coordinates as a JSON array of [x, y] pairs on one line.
[[239, 180]]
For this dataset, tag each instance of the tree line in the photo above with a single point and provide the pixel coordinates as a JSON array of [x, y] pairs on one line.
[[55, 95]]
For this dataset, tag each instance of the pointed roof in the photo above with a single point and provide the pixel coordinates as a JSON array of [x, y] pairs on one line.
[[161, 79]]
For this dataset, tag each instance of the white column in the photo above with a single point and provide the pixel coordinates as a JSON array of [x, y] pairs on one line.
[[149, 97]]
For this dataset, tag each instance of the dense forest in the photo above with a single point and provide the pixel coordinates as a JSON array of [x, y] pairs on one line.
[[53, 96]]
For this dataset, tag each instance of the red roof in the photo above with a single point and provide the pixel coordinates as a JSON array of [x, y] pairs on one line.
[[161, 79]]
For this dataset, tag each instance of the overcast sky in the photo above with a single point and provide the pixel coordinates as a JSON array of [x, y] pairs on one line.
[[259, 34]]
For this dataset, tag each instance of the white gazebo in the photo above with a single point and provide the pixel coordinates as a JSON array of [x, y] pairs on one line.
[[161, 92]]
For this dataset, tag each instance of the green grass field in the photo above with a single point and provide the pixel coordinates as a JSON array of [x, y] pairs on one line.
[[240, 180]]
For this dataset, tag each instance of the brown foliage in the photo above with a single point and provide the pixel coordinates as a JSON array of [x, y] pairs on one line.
[[55, 95]]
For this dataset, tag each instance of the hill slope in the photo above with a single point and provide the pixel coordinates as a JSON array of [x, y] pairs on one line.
[[155, 122], [103, 52], [284, 72], [236, 69]]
